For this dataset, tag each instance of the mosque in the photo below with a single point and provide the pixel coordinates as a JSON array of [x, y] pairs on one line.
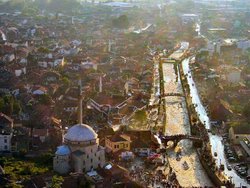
[[80, 151]]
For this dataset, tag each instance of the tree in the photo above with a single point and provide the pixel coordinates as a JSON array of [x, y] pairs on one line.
[[43, 49], [17, 107], [45, 99], [121, 22], [246, 111], [57, 181], [2, 105]]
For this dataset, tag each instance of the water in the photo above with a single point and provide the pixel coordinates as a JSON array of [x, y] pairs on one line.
[[215, 140]]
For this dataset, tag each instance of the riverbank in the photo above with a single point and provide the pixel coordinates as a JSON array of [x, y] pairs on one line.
[[199, 128]]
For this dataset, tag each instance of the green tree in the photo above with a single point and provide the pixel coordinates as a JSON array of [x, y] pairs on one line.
[[246, 111], [2, 105], [17, 107], [45, 99], [121, 22], [57, 181], [43, 49], [65, 81]]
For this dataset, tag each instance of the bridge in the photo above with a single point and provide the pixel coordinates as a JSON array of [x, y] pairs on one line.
[[172, 94], [178, 138]]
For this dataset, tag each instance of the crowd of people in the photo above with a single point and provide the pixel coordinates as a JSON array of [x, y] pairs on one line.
[[154, 178]]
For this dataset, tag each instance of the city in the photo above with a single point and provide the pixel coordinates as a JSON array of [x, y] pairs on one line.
[[131, 93]]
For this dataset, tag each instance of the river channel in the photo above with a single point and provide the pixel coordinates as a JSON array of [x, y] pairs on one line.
[[215, 140]]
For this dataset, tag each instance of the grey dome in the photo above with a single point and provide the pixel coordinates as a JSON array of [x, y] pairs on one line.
[[80, 133]]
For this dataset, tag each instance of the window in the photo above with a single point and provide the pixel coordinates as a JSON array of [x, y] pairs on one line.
[[115, 146], [118, 146], [5, 147], [87, 156], [5, 141], [91, 160]]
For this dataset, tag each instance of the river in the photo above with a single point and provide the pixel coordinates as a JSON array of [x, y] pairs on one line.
[[215, 140], [177, 122]]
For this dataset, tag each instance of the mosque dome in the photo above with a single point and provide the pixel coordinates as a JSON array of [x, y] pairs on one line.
[[63, 150], [80, 133]]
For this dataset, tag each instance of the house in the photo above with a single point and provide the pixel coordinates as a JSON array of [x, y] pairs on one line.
[[70, 106], [233, 75], [39, 90], [239, 133], [187, 18], [6, 129], [57, 62], [142, 142], [132, 83], [220, 110], [43, 64], [42, 134], [117, 142], [245, 147], [9, 58], [51, 76]]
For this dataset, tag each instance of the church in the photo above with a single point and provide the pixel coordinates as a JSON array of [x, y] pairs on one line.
[[80, 151]]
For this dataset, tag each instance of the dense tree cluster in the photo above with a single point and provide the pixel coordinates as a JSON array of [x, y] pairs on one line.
[[121, 22]]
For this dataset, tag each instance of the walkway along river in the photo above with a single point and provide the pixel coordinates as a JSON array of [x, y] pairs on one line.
[[215, 140]]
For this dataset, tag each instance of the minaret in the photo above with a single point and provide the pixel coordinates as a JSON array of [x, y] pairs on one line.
[[100, 84], [110, 45], [80, 102]]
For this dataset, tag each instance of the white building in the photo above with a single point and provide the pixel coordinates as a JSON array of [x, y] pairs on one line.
[[81, 151], [186, 18], [243, 44], [234, 76], [6, 125]]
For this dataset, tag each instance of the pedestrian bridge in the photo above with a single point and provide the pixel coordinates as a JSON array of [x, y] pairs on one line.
[[177, 138]]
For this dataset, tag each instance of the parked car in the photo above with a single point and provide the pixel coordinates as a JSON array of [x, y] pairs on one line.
[[229, 167], [248, 178], [215, 154], [222, 167], [231, 159]]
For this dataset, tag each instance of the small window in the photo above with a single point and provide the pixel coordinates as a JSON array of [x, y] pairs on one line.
[[5, 147], [115, 146], [5, 141], [87, 156], [118, 146], [91, 160]]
